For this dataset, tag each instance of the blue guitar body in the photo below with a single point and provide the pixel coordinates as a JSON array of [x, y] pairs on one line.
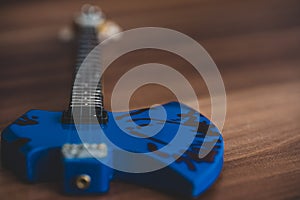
[[31, 147]]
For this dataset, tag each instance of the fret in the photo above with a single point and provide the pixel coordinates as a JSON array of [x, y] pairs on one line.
[[85, 106], [98, 102], [83, 101], [88, 78], [86, 102], [90, 85], [85, 93], [87, 99]]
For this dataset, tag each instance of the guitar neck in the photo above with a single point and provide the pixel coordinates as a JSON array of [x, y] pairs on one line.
[[84, 94]]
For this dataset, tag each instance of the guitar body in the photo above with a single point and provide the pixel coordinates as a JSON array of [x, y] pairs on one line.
[[31, 147]]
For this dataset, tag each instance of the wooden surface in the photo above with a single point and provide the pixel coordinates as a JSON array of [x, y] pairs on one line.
[[255, 44]]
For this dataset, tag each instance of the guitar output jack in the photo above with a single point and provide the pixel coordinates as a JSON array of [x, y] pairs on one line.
[[83, 181]]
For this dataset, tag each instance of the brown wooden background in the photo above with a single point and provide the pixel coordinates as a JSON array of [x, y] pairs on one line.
[[256, 45]]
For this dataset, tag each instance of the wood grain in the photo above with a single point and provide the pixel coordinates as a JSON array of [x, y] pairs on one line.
[[255, 44]]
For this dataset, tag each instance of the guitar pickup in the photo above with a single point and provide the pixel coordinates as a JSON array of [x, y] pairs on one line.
[[101, 115], [83, 173]]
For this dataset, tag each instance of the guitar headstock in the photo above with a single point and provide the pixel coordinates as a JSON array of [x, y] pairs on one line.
[[91, 16]]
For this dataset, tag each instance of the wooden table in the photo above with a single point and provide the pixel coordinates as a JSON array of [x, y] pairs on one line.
[[255, 44]]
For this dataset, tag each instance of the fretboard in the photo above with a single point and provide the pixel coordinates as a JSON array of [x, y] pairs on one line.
[[87, 91]]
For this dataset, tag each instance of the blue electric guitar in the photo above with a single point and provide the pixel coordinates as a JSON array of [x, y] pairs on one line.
[[45, 145]]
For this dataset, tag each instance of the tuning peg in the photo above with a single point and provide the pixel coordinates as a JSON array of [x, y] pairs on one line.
[[66, 34], [107, 29]]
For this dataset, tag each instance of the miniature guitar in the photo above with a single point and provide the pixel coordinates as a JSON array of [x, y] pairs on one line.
[[44, 145]]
